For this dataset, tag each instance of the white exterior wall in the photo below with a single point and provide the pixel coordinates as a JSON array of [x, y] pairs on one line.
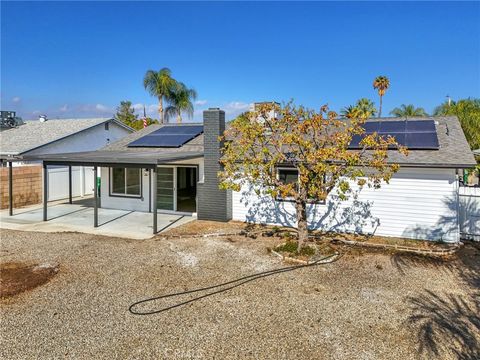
[[137, 204], [417, 203], [469, 212], [120, 202], [91, 139]]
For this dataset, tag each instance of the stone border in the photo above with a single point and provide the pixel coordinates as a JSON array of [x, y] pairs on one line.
[[402, 248]]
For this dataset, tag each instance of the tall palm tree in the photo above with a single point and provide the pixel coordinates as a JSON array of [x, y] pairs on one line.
[[408, 111], [381, 84], [181, 100], [366, 107], [161, 85]]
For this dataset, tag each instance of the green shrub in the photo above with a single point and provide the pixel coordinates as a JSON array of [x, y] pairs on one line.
[[292, 247]]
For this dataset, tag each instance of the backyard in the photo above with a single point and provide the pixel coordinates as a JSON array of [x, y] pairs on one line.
[[370, 304]]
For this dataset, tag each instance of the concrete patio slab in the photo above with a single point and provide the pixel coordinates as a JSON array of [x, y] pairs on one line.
[[78, 217]]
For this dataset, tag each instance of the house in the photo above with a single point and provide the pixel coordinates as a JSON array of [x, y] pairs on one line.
[[173, 168], [45, 136]]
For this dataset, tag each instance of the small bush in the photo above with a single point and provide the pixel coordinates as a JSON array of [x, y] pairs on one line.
[[292, 247], [289, 246]]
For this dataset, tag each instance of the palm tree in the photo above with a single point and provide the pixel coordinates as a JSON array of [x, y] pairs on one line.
[[351, 112], [381, 83], [161, 85], [181, 100], [366, 107], [408, 111]]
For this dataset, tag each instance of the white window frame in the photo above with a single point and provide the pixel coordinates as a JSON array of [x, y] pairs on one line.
[[124, 194]]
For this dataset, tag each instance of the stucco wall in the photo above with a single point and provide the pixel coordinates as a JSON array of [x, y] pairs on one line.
[[417, 203], [137, 204]]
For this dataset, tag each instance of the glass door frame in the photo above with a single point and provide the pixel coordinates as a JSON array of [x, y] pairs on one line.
[[174, 167]]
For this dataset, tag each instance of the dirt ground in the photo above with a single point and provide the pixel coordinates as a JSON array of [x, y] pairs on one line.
[[367, 305], [16, 277]]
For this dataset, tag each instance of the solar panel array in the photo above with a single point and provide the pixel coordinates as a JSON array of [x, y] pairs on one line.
[[168, 136], [414, 134]]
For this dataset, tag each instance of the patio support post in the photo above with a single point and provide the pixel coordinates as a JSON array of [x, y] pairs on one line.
[[45, 191], [70, 184], [154, 198], [95, 198], [10, 189]]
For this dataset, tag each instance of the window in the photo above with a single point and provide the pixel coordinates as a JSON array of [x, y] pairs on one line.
[[290, 176], [106, 126], [126, 181]]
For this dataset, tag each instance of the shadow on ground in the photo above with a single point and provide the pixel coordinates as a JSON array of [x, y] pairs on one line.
[[448, 324]]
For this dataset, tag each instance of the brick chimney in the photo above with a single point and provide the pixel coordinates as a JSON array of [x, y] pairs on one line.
[[213, 203]]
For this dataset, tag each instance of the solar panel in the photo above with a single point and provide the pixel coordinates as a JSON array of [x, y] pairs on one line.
[[426, 140], [168, 136], [371, 126], [164, 140], [387, 127], [191, 130], [414, 134], [420, 126]]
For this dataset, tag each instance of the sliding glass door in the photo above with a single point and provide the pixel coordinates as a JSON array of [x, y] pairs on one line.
[[177, 188], [165, 188]]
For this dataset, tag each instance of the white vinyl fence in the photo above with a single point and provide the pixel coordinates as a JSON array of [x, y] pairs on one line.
[[469, 212], [82, 182]]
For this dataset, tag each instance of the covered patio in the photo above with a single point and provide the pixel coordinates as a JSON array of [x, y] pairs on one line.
[[77, 217], [81, 215]]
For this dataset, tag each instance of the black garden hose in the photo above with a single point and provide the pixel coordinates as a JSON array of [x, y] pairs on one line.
[[232, 284]]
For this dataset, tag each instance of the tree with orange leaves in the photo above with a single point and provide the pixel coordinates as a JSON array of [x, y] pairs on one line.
[[315, 143]]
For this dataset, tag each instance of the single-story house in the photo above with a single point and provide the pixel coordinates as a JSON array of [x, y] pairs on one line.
[[173, 168], [45, 136]]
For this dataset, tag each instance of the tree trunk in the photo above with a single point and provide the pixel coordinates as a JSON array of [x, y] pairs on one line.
[[179, 118], [302, 226], [380, 109], [160, 108]]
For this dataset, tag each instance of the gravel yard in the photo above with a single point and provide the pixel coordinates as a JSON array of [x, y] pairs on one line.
[[367, 305]]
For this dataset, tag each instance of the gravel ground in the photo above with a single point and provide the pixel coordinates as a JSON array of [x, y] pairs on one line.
[[364, 306]]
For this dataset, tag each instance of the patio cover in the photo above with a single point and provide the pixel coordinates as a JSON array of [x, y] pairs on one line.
[[102, 158]]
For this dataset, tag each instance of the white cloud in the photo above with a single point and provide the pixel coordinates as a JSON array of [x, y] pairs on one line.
[[236, 106], [200, 102], [102, 108], [16, 99], [151, 110]]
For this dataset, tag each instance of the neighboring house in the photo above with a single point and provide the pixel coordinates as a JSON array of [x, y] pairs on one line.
[[173, 168], [51, 137]]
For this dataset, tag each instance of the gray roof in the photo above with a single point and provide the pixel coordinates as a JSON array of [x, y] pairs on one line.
[[118, 152], [115, 157], [35, 134], [453, 151]]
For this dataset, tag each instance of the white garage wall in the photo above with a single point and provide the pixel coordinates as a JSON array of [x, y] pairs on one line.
[[417, 203]]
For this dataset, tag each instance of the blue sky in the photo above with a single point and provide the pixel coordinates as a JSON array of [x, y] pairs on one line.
[[69, 59]]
